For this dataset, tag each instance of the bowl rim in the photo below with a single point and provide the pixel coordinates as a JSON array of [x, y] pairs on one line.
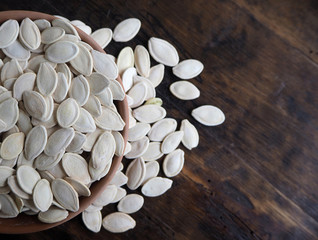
[[29, 224]]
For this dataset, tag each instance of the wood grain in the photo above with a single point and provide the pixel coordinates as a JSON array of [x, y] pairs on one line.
[[255, 176]]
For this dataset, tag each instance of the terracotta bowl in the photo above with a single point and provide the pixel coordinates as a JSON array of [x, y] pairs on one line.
[[27, 224]]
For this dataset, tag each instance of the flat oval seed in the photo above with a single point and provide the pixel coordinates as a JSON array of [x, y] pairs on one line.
[[65, 194], [52, 34], [61, 52], [67, 113], [53, 215], [5, 173], [61, 88], [142, 60], [23, 83], [42, 24], [184, 90], [120, 143], [93, 106], [138, 148], [92, 220], [138, 131], [152, 170], [125, 59], [102, 36], [151, 92], [156, 186], [188, 69], [127, 78], [58, 141], [35, 142], [104, 64], [36, 61], [118, 222], [85, 122], [8, 207], [121, 192], [162, 128], [16, 189], [66, 25], [173, 163], [81, 188], [136, 172], [79, 90], [149, 113], [106, 196], [97, 83], [9, 31], [83, 61], [106, 97], [130, 204], [156, 74], [171, 142], [17, 51], [34, 103], [46, 79], [163, 52], [126, 30], [153, 152], [117, 90], [12, 146], [76, 167], [154, 101], [27, 178], [91, 138], [30, 34], [42, 195], [77, 142], [44, 162], [110, 120], [9, 113], [119, 179], [191, 136], [11, 69], [208, 115]]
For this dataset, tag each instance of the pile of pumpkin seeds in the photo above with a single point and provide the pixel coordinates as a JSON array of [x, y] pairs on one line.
[[152, 135]]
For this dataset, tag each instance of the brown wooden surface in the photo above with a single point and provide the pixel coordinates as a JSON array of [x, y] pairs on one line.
[[255, 176]]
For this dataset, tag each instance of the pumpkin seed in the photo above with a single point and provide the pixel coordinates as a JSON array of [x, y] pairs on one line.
[[184, 90], [138, 131], [42, 195], [131, 203], [79, 186], [127, 78], [8, 207], [155, 101], [173, 163], [142, 60], [58, 141], [35, 142], [36, 61], [30, 34], [67, 113], [85, 122], [149, 113], [53, 215], [8, 84], [188, 69], [118, 222], [27, 178], [34, 103], [156, 74], [120, 143], [79, 90], [61, 88], [66, 25], [91, 139], [45, 162], [12, 146], [9, 31], [126, 30], [106, 196], [77, 142], [17, 51], [42, 24], [163, 52], [151, 93], [11, 69], [100, 153], [76, 167], [161, 129], [5, 173], [110, 120], [191, 136], [138, 93], [156, 186], [93, 106], [138, 148], [16, 189], [121, 192], [106, 97], [97, 83], [136, 172], [92, 220], [24, 122], [52, 34], [153, 152], [208, 115], [171, 142], [61, 51], [119, 179], [83, 61], [117, 90], [23, 83], [104, 64], [152, 170], [125, 60], [102, 36]]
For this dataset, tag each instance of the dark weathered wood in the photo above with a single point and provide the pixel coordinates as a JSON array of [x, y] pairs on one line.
[[255, 176]]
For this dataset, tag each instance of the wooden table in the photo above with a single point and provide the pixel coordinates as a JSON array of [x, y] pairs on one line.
[[255, 176]]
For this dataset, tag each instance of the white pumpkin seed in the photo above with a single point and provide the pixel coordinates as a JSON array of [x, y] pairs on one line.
[[121, 192], [5, 173], [104, 64], [100, 153], [156, 186], [63, 68], [93, 106], [153, 152], [9, 31], [127, 78], [9, 113], [155, 101], [35, 62], [138, 131], [23, 83], [163, 52], [106, 97], [130, 204], [42, 24], [93, 208], [119, 179], [61, 51], [85, 122], [102, 36], [171, 142], [106, 196], [156, 74], [91, 139], [8, 84], [35, 142], [125, 60], [208, 115], [97, 83], [44, 162], [46, 79], [52, 34], [136, 172], [149, 113], [65, 194], [34, 103], [5, 95], [67, 113], [77, 142], [117, 90], [30, 34], [120, 143], [8, 207], [17, 51], [188, 69], [142, 60], [58, 141], [16, 189], [138, 148], [79, 186], [126, 30], [162, 128], [79, 90], [50, 108], [191, 136], [184, 90], [12, 146], [173, 163], [42, 195], [151, 92], [83, 61], [76, 167], [11, 69], [127, 148], [110, 120], [152, 170], [92, 220], [118, 222], [66, 25], [138, 93], [27, 178], [61, 88], [24, 122], [53, 215]]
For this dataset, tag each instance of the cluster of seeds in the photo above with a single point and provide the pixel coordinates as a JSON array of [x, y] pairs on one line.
[[56, 104], [152, 136]]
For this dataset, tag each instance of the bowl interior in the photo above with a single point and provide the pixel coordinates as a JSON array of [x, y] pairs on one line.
[[27, 224]]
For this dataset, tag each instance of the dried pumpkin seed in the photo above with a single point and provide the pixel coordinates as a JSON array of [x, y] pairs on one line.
[[76, 167], [12, 146], [53, 215], [184, 90], [163, 52], [126, 30], [162, 128], [118, 222], [188, 69], [125, 60], [171, 142], [149, 113], [27, 178], [156, 186], [131, 203], [191, 136], [142, 60], [35, 142], [9, 31], [136, 172], [67, 113], [42, 195], [208, 115], [92, 220], [173, 163], [102, 36]]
